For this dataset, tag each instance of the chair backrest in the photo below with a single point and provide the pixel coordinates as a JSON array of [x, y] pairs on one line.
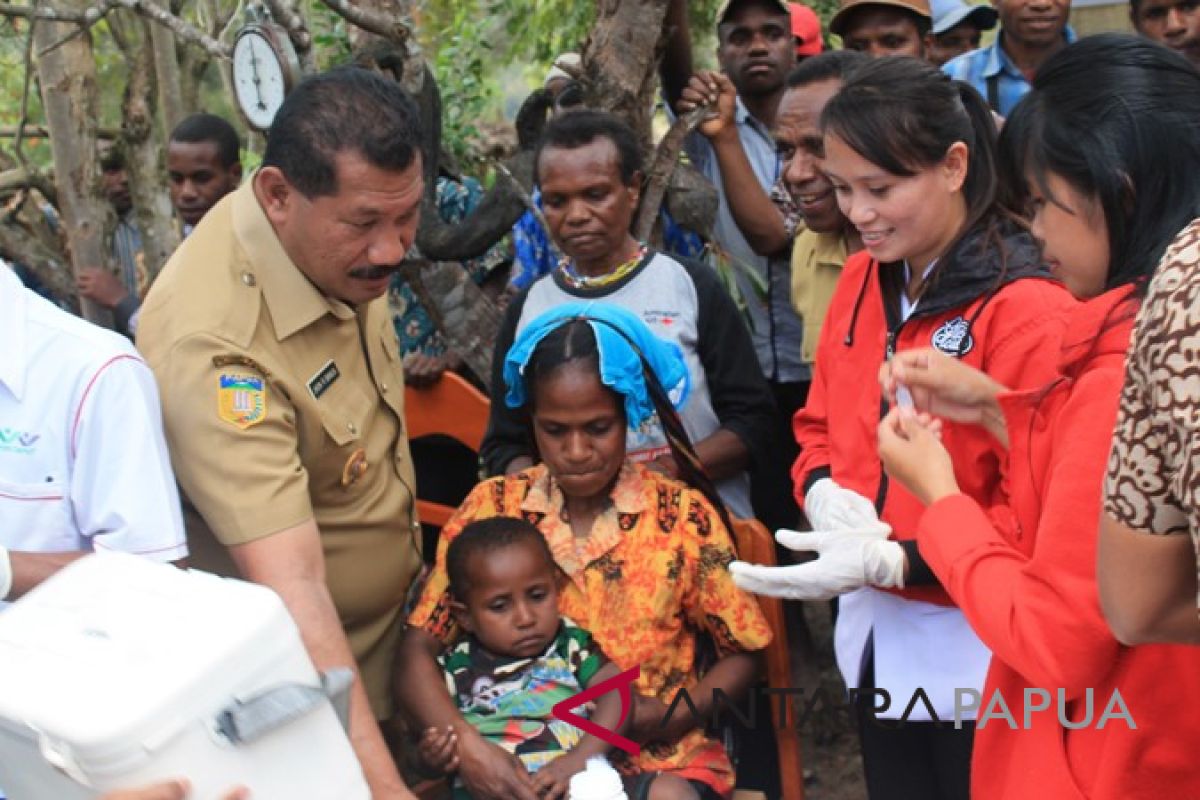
[[451, 407], [756, 545]]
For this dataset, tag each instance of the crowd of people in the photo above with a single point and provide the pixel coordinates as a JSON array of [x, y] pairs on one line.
[[960, 383]]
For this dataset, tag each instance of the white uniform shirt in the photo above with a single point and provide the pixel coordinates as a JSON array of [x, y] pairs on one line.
[[83, 462]]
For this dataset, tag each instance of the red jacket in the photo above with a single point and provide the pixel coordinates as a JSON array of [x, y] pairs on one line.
[[1007, 332], [1030, 594]]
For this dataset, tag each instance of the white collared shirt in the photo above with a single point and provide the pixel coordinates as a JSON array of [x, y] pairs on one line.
[[83, 461]]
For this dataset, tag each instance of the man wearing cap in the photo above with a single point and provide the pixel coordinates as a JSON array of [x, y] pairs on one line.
[[1030, 32], [1174, 23], [883, 27], [755, 50], [958, 28], [806, 31]]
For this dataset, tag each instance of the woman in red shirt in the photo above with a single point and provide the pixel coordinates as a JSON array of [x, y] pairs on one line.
[[911, 157], [1070, 713]]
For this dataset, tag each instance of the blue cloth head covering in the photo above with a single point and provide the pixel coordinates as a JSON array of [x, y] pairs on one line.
[[622, 340]]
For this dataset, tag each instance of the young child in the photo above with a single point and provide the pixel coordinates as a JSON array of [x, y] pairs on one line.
[[519, 657]]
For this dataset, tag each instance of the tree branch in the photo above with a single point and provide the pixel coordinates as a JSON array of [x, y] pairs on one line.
[[87, 19], [19, 137], [10, 131], [23, 178], [391, 28], [147, 8], [42, 11], [181, 28], [284, 12], [495, 215], [665, 159]]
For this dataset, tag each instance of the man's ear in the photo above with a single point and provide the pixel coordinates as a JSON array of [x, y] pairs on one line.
[[461, 616], [275, 194], [927, 43], [236, 171]]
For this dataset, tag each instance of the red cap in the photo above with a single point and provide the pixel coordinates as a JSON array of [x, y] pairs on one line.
[[806, 28]]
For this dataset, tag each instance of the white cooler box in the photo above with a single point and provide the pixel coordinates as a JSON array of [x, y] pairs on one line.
[[119, 672]]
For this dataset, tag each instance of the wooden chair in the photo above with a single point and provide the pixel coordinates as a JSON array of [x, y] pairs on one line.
[[756, 545], [451, 407]]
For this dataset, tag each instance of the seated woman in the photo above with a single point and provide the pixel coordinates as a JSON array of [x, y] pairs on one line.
[[643, 557], [1092, 718]]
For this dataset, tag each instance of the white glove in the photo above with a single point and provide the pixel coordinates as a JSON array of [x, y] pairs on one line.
[[848, 559], [831, 507]]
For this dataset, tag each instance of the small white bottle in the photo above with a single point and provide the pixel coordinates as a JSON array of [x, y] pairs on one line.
[[599, 781]]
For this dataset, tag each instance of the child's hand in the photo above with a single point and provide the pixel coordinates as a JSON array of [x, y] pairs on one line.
[[438, 748], [552, 781]]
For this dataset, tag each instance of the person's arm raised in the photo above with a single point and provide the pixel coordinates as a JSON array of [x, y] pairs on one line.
[[292, 563], [759, 219]]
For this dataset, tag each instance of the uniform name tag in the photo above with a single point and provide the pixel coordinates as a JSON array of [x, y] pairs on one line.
[[319, 383]]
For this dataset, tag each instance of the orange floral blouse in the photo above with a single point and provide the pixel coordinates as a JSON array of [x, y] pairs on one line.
[[649, 578]]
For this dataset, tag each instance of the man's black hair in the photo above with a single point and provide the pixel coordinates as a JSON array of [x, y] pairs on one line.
[[581, 128], [830, 65], [209, 128], [344, 110], [483, 537]]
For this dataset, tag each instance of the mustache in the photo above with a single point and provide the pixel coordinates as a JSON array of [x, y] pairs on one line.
[[373, 273]]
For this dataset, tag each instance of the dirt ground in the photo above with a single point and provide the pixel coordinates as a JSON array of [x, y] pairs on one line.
[[832, 763]]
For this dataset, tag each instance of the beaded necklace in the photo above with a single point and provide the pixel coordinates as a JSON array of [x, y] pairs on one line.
[[566, 271]]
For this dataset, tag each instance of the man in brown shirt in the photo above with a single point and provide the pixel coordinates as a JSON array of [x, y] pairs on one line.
[[282, 387]]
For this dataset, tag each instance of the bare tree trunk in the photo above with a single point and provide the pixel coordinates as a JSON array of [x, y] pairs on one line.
[[27, 239], [143, 153], [166, 70], [620, 65], [460, 310], [67, 77], [620, 60]]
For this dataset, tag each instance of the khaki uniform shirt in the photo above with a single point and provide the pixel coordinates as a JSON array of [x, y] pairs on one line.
[[281, 405], [817, 260]]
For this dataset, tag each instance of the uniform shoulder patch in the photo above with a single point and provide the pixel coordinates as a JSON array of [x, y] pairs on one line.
[[241, 399], [953, 337]]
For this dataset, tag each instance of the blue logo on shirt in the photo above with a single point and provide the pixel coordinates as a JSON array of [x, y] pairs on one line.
[[15, 441]]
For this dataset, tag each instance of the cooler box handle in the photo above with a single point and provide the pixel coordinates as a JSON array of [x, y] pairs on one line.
[[249, 720]]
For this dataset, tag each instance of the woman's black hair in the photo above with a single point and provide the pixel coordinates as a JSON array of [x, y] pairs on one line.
[[575, 341], [1118, 118], [903, 114], [580, 128]]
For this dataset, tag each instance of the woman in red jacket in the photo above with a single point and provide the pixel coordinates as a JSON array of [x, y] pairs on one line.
[[1070, 713], [911, 156]]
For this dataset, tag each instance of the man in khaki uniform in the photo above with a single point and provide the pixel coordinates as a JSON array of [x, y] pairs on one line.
[[282, 386]]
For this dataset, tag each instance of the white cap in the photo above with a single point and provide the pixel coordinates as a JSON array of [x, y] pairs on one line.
[[565, 66]]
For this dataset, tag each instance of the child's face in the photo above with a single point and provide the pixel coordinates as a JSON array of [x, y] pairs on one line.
[[512, 601]]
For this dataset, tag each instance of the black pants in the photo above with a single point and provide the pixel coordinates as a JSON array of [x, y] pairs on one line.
[[912, 760], [771, 480]]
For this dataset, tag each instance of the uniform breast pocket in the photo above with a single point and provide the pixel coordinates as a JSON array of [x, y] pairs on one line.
[[346, 413], [37, 516]]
